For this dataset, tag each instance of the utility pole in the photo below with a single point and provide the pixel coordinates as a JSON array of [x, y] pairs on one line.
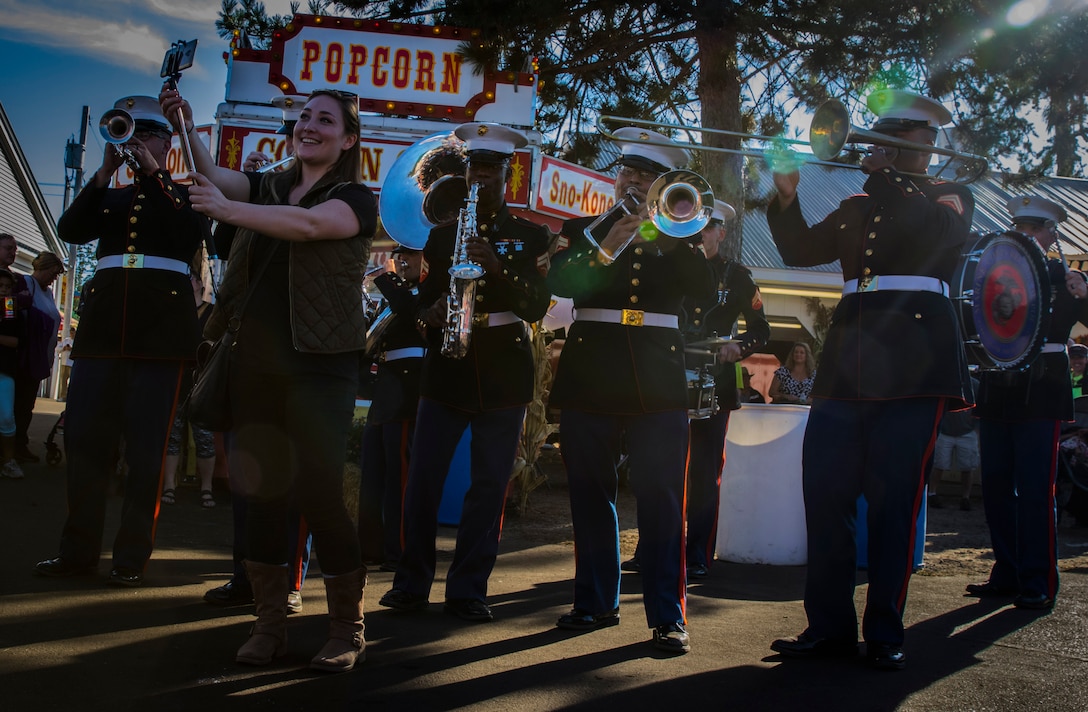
[[73, 161]]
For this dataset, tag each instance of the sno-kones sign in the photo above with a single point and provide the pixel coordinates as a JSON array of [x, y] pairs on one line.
[[395, 68]]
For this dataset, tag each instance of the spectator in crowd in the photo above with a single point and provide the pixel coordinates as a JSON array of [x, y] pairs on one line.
[[37, 349], [748, 394], [10, 330], [792, 382], [957, 438], [64, 355], [303, 238], [203, 440], [1078, 359]]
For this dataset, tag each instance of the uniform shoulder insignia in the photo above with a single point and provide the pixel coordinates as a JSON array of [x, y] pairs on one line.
[[952, 201]]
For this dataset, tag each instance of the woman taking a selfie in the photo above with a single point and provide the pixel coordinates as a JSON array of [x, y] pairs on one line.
[[303, 240]]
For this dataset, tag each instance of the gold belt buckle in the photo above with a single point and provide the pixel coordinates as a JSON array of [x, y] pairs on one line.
[[133, 261], [867, 284], [480, 319], [631, 317]]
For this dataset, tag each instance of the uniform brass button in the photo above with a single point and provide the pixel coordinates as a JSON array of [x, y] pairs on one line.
[[872, 235], [132, 219], [137, 207], [131, 248], [636, 265], [517, 340], [910, 190], [141, 196], [481, 282], [634, 299], [866, 271], [672, 348], [638, 250], [697, 322], [868, 252], [898, 179], [173, 293], [579, 339], [479, 297], [917, 316], [132, 236], [876, 219], [698, 310], [634, 282], [842, 227], [105, 211]]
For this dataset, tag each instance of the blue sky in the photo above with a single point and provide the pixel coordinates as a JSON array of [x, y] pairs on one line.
[[61, 55]]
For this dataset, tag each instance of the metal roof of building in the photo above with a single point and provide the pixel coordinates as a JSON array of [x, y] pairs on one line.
[[822, 189]]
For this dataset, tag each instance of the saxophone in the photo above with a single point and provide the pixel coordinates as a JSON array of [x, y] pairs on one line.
[[461, 301]]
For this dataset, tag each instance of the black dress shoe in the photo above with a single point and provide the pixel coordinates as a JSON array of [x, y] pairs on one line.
[[469, 609], [989, 590], [886, 657], [61, 568], [403, 601], [1035, 602], [698, 571], [672, 638], [807, 646], [229, 594], [632, 565], [579, 620], [122, 576]]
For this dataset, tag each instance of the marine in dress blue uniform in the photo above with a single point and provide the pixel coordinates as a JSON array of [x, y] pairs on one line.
[[1020, 419], [391, 419], [488, 389], [621, 376], [892, 362], [137, 331], [736, 294]]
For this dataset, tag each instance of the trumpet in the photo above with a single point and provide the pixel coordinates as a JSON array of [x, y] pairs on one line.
[[282, 163], [679, 204], [117, 127]]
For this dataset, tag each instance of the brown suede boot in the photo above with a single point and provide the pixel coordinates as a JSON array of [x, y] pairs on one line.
[[268, 639], [345, 645]]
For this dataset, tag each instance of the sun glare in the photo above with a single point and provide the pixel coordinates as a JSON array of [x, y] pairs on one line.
[[1026, 12]]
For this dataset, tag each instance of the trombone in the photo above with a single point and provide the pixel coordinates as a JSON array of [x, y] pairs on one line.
[[829, 136], [679, 204]]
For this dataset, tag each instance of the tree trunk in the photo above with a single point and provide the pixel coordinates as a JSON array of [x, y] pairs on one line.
[[719, 94]]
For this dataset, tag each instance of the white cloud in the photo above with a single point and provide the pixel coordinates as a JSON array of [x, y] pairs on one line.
[[125, 43]]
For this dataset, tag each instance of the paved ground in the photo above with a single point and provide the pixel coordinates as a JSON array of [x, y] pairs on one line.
[[80, 645]]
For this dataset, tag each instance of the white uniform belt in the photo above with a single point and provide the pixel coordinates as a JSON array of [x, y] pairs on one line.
[[1053, 348], [627, 317], [138, 261], [896, 282], [409, 352], [486, 319]]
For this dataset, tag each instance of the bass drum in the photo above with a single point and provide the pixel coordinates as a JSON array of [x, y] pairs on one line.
[[1002, 289]]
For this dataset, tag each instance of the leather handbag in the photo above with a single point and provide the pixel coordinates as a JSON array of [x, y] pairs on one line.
[[209, 400]]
